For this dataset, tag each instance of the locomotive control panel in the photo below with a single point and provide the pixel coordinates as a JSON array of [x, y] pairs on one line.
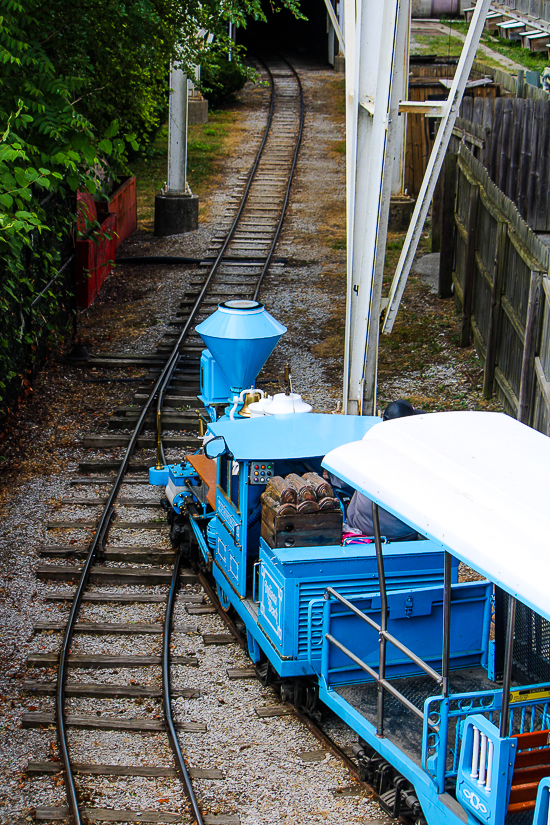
[[261, 471]]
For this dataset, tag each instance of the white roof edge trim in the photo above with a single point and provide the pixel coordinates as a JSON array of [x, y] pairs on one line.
[[476, 483]]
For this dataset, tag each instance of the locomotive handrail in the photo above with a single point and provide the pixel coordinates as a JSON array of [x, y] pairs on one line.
[[376, 676], [388, 637]]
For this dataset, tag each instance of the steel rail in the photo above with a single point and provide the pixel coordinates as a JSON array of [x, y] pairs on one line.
[[289, 184], [157, 393], [166, 692]]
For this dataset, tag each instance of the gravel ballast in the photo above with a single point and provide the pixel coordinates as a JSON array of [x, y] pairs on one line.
[[265, 777]]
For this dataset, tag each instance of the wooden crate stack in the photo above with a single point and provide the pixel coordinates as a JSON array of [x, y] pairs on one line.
[[300, 511]]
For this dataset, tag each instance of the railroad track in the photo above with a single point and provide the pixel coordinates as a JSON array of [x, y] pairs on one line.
[[118, 576]]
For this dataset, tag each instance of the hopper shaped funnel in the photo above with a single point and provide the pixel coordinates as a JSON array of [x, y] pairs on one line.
[[241, 336]]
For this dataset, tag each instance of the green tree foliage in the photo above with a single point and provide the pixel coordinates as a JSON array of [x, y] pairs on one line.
[[81, 84]]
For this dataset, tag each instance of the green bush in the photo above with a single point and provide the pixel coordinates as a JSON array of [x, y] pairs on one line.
[[220, 81]]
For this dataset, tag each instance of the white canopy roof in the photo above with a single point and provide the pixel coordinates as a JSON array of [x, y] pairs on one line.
[[477, 483]]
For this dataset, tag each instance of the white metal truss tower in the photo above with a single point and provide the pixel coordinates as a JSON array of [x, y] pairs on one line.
[[376, 46]]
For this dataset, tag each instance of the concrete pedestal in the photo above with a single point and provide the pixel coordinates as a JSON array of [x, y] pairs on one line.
[[197, 111], [176, 213], [401, 209], [340, 64]]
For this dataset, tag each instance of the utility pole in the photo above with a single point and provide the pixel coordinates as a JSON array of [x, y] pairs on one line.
[[376, 36], [376, 39], [176, 208]]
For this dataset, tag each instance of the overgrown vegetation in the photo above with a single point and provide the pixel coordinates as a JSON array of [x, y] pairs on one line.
[[81, 84]]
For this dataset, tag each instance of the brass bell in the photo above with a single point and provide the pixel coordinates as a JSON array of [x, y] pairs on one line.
[[249, 398]]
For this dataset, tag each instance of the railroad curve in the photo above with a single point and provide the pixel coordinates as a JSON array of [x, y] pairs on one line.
[[241, 255]]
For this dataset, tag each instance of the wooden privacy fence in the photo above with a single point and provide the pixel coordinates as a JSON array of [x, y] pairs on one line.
[[515, 151], [509, 82], [501, 283], [426, 83]]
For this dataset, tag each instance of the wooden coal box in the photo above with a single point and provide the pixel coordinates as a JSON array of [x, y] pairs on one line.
[[314, 530]]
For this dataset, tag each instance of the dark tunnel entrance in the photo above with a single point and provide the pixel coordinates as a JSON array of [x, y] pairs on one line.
[[283, 33]]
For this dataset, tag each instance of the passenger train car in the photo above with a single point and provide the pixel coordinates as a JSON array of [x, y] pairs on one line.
[[393, 636]]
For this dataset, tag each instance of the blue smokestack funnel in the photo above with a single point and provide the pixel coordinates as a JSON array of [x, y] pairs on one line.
[[241, 336]]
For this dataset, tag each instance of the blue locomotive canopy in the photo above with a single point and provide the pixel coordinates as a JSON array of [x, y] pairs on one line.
[[273, 437]]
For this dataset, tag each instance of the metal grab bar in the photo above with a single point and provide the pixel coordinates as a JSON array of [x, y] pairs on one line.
[[385, 684], [386, 636]]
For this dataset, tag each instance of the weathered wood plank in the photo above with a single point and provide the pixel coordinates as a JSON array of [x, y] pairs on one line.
[[218, 639], [147, 555], [273, 710], [149, 442], [103, 465], [93, 690], [104, 660], [98, 501], [469, 273], [111, 815], [119, 525], [112, 575], [241, 673], [117, 628], [532, 330], [494, 312], [122, 598], [446, 257], [200, 610], [49, 768], [36, 719]]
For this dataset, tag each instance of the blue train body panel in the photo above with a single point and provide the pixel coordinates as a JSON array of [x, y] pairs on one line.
[[292, 583], [415, 618]]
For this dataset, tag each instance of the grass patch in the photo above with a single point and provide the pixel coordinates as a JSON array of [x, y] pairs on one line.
[[441, 44], [207, 147], [511, 49]]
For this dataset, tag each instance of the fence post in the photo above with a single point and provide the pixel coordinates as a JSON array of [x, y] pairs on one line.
[[532, 327], [437, 209], [447, 241], [470, 267], [494, 316]]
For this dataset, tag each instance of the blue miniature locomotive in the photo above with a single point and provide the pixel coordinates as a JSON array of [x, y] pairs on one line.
[[374, 629]]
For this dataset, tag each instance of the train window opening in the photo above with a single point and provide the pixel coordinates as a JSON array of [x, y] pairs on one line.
[[224, 473], [235, 484]]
